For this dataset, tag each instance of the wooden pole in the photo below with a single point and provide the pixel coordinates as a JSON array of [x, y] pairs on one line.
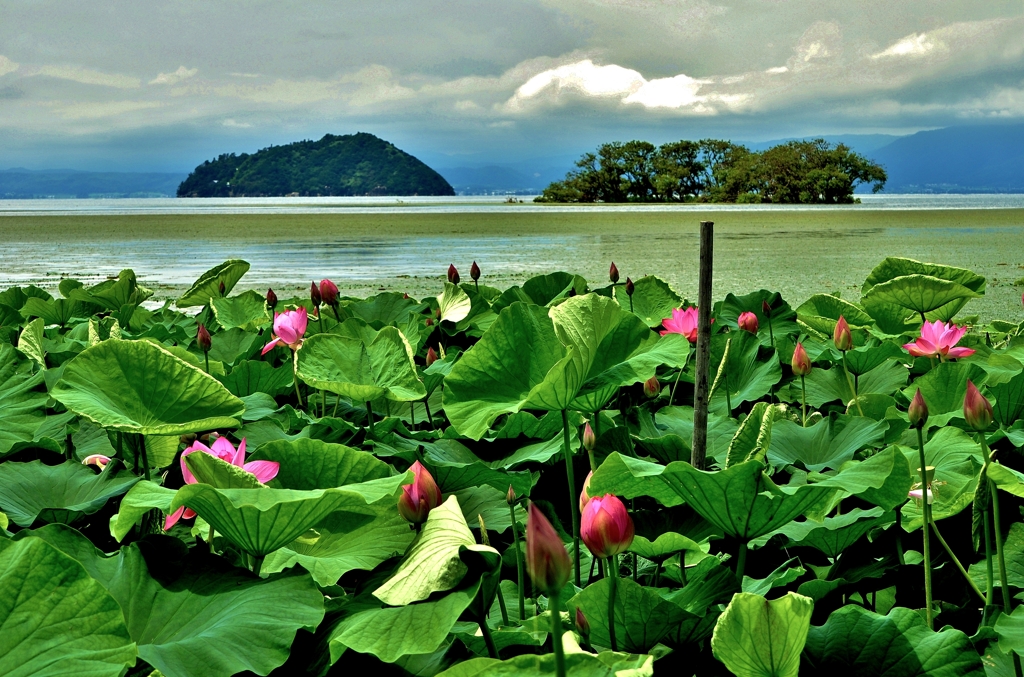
[[700, 401]]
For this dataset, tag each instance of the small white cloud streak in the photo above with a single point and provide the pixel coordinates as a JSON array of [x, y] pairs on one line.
[[174, 78], [87, 76], [7, 66], [912, 45]]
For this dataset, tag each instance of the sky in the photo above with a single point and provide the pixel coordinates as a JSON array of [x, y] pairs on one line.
[[123, 85]]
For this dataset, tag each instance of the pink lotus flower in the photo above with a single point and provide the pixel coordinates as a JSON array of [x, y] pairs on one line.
[[682, 322], [977, 410], [801, 362], [747, 321], [289, 327], [606, 526], [420, 497], [841, 336], [589, 438], [585, 494], [918, 495], [937, 340], [98, 460], [225, 451], [546, 559]]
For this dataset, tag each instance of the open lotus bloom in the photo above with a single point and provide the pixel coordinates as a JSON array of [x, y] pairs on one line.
[[918, 495], [225, 451], [937, 340], [98, 460], [289, 327], [682, 322]]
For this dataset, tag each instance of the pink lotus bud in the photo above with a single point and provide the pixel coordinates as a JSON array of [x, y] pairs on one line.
[[474, 272], [585, 494], [918, 411], [801, 362], [420, 497], [652, 388], [329, 293], [842, 336], [314, 295], [203, 339], [589, 438], [221, 288], [431, 355], [405, 295], [271, 299], [511, 497], [453, 274], [748, 322], [766, 309], [98, 460], [605, 526], [582, 625], [613, 273], [629, 286], [977, 410], [430, 321], [546, 559]]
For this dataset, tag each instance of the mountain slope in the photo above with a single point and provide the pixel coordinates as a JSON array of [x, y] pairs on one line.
[[70, 183], [355, 164]]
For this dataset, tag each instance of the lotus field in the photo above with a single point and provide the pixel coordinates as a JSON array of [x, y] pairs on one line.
[[499, 482]]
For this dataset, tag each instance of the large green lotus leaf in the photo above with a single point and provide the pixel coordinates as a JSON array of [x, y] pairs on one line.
[[578, 663], [1013, 549], [1009, 404], [517, 364], [262, 520], [630, 477], [742, 500], [56, 311], [866, 358], [957, 461], [114, 295], [708, 583], [944, 388], [752, 437], [1010, 629], [16, 297], [894, 266], [1007, 479], [208, 469], [384, 309], [545, 289], [758, 638], [455, 475], [855, 641], [308, 464], [55, 620], [922, 294], [433, 563], [829, 385], [453, 303], [363, 373], [891, 320], [750, 371], [393, 632], [22, 409], [666, 545], [140, 499], [30, 343], [138, 387], [489, 503], [882, 479], [609, 348], [827, 444], [57, 493], [784, 574], [783, 316], [248, 310], [209, 283], [344, 542], [652, 301], [835, 534], [668, 435], [822, 311], [642, 616], [233, 345], [255, 376], [199, 616]]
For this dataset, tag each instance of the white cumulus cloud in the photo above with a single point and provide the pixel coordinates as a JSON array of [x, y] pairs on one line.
[[87, 76], [7, 66], [174, 78], [918, 44]]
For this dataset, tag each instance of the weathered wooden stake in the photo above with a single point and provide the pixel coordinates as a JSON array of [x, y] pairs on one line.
[[700, 400]]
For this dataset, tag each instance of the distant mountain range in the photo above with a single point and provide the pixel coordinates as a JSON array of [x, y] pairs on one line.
[[962, 159]]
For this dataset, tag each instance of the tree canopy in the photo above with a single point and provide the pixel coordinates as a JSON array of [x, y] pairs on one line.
[[711, 170]]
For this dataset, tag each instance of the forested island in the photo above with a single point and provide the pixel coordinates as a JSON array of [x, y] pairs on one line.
[[354, 164], [711, 170]]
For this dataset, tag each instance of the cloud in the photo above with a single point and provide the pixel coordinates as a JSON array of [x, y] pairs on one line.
[[7, 66], [235, 123], [87, 76], [912, 45], [174, 78], [105, 109]]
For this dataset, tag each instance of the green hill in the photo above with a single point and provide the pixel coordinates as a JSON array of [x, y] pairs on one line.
[[355, 164]]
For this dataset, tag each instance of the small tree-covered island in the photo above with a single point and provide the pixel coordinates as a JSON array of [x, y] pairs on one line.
[[711, 170], [350, 165]]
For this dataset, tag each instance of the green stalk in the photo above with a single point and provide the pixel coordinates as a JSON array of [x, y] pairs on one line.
[[926, 511], [207, 355], [959, 566], [257, 564], [556, 634], [672, 393], [369, 417], [771, 334], [430, 419], [519, 564], [989, 577], [145, 457], [853, 387], [502, 607], [412, 414], [485, 629], [741, 561], [613, 578], [803, 400], [209, 540], [573, 498], [1003, 583], [323, 403], [295, 381]]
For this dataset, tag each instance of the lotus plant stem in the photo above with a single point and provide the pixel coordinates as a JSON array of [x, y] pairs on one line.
[[412, 414], [257, 563], [337, 401], [771, 334], [853, 387], [997, 524], [207, 356], [672, 393], [741, 561], [573, 500], [209, 540], [657, 573], [956, 562], [369, 418], [145, 458], [593, 565], [502, 607], [989, 577], [295, 380], [556, 634], [613, 581], [485, 630], [519, 564], [926, 510], [803, 401], [430, 419]]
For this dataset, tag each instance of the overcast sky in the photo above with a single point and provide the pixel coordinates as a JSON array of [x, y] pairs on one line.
[[130, 85]]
